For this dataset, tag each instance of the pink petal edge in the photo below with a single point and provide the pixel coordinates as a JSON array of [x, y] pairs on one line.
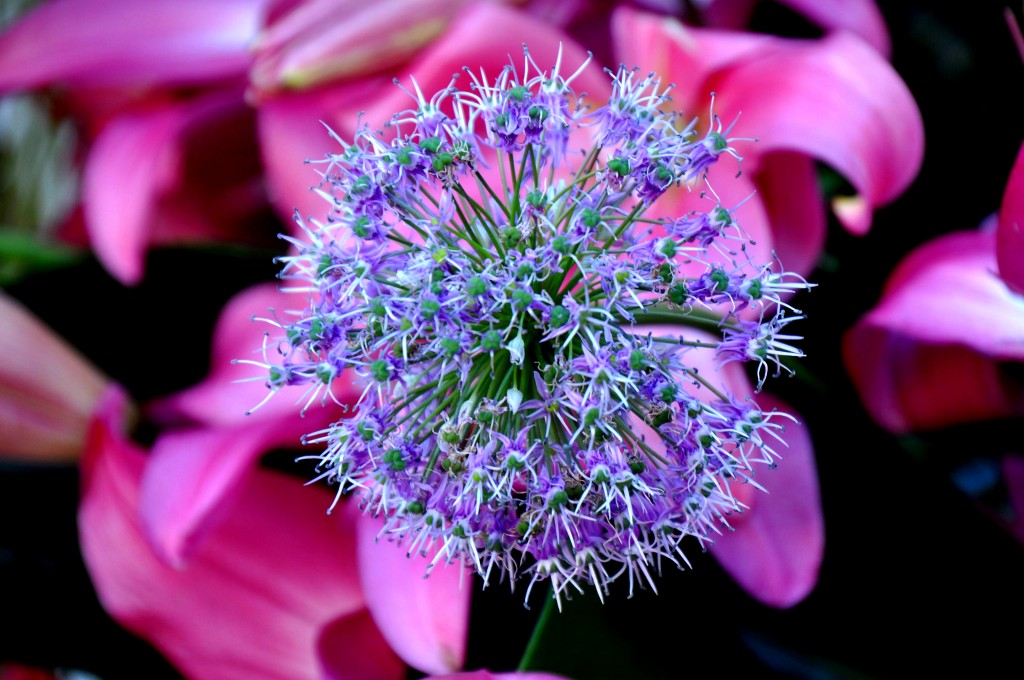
[[425, 619]]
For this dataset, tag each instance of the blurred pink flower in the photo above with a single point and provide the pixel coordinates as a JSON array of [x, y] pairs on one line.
[[198, 530], [195, 115], [48, 390], [226, 568], [935, 350], [949, 316], [833, 100]]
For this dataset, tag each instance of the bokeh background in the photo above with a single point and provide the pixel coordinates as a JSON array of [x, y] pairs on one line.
[[918, 578]]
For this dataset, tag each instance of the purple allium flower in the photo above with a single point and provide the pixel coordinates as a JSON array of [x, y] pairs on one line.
[[493, 288]]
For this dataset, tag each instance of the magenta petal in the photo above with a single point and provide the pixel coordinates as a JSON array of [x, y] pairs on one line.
[[352, 648], [48, 389], [291, 131], [1010, 234], [788, 186], [324, 40], [857, 16], [679, 54], [835, 99], [135, 160], [425, 619], [776, 549], [488, 36], [945, 318], [111, 42], [483, 36], [255, 597], [208, 468], [904, 383], [231, 390], [947, 291]]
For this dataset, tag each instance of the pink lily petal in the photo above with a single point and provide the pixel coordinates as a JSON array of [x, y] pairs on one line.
[[776, 545], [1010, 235], [254, 599], [834, 99], [291, 131], [904, 384], [947, 291], [352, 648], [673, 50], [117, 203], [48, 390], [489, 36], [483, 36], [788, 185], [135, 161], [231, 390], [776, 548], [944, 319], [209, 468], [326, 40], [109, 42], [425, 620], [747, 204]]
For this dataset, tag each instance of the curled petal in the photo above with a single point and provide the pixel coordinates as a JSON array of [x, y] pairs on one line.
[[947, 291], [425, 619], [136, 160], [861, 17], [673, 50], [209, 468], [776, 548], [944, 320], [1010, 234], [231, 390], [109, 42], [906, 384], [254, 599], [48, 390], [788, 186], [835, 99]]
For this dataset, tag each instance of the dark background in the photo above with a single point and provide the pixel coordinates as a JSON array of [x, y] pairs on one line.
[[916, 578]]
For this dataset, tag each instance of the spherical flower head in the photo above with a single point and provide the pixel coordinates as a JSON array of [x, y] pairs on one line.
[[486, 273]]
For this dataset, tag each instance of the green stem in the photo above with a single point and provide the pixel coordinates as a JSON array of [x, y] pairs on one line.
[[538, 632]]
